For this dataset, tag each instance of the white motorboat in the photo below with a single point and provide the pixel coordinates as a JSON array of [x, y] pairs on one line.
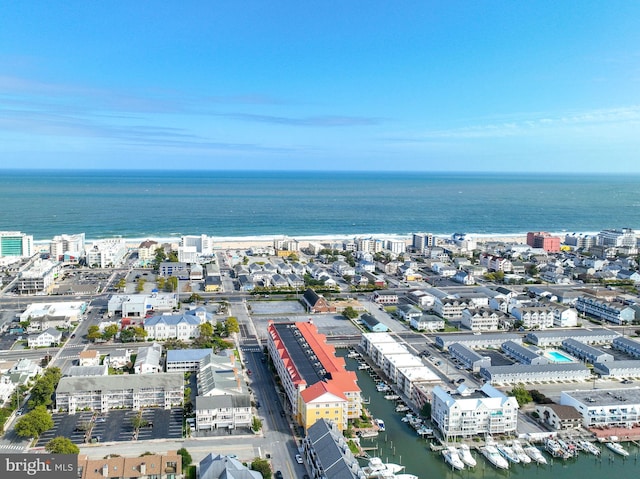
[[534, 453], [391, 397], [493, 456], [380, 424], [519, 450], [375, 468], [452, 458], [590, 447], [508, 453], [617, 448], [554, 448], [405, 476], [465, 454]]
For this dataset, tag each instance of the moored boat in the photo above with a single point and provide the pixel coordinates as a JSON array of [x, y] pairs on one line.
[[508, 453], [617, 448], [452, 458], [380, 424], [391, 397], [375, 468], [465, 455], [535, 454], [519, 451], [554, 448], [590, 447], [493, 456]]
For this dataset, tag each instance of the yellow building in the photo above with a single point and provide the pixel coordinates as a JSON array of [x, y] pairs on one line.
[[323, 400]]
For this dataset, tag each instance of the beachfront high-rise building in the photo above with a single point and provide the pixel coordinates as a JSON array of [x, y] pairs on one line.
[[580, 241], [71, 246], [422, 241], [622, 237], [369, 245], [542, 239], [203, 244], [15, 243], [396, 246], [107, 253]]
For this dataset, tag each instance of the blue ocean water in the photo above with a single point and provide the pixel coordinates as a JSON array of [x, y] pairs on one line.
[[139, 204]]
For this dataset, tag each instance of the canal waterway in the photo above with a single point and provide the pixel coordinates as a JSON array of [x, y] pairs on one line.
[[400, 444]]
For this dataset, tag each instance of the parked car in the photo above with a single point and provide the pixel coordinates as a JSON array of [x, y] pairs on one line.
[[299, 459], [278, 475]]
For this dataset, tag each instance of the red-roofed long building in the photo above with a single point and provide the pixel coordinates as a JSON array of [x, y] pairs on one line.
[[315, 380]]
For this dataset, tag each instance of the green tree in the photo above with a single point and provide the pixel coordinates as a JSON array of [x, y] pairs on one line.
[[61, 445], [93, 333], [161, 282], [138, 421], [172, 257], [44, 387], [186, 458], [194, 298], [140, 285], [521, 394], [231, 325], [174, 343], [159, 257], [133, 333], [206, 330], [262, 466], [110, 332], [426, 410], [256, 424], [34, 423], [350, 313], [219, 329], [171, 284], [121, 284]]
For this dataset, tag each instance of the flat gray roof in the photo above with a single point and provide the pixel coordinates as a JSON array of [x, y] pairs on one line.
[[135, 382], [606, 397]]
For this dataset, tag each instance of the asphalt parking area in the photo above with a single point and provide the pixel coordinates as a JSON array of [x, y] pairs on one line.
[[115, 426], [72, 426]]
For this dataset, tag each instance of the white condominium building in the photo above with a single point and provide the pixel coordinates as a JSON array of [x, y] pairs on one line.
[[107, 253], [467, 412], [203, 244]]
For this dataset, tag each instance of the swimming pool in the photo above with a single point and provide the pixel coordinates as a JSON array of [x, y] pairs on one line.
[[558, 357]]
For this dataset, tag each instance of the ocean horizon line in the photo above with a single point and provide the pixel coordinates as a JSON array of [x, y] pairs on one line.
[[545, 174]]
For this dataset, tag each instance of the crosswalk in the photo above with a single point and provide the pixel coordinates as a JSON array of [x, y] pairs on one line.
[[13, 447]]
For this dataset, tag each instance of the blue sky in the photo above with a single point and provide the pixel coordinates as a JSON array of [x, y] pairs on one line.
[[372, 85]]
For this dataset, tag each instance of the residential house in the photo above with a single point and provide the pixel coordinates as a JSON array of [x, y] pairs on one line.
[[372, 323], [427, 322], [90, 357], [317, 303], [559, 417], [47, 338], [217, 466], [148, 359]]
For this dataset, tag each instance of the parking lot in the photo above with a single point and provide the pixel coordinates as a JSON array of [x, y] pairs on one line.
[[115, 426], [328, 324], [276, 307]]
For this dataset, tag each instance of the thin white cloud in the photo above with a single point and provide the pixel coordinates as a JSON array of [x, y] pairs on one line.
[[622, 116]]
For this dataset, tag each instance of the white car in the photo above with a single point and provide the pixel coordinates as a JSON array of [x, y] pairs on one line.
[[298, 458]]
